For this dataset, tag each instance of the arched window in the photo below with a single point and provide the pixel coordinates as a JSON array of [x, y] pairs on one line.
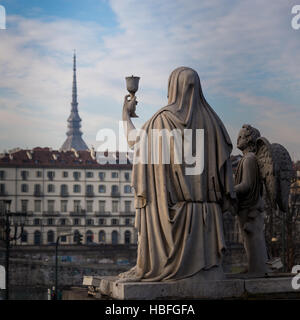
[[76, 175], [101, 176], [51, 188], [102, 188], [37, 238], [75, 234], [50, 236], [24, 237], [127, 188], [64, 190], [76, 188], [37, 189], [89, 190], [63, 222], [90, 222], [89, 237], [115, 221], [114, 237], [127, 176], [102, 236], [24, 187], [114, 189], [127, 237], [102, 221]]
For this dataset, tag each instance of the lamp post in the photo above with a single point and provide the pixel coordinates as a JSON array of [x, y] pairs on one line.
[[78, 240], [283, 242], [56, 267], [18, 221]]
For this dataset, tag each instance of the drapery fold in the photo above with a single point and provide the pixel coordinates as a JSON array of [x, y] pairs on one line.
[[179, 216]]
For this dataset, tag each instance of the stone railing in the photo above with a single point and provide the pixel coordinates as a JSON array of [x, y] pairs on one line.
[[102, 213], [51, 213], [78, 213], [127, 213]]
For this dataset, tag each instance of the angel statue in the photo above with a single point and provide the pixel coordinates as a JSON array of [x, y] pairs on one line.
[[265, 168]]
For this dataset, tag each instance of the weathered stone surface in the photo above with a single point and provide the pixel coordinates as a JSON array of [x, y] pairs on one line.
[[269, 285], [183, 289], [91, 281], [76, 293], [191, 289]]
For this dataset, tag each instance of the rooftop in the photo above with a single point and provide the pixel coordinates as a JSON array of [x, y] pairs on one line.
[[48, 158]]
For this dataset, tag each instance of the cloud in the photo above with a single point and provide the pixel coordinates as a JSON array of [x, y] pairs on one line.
[[245, 53]]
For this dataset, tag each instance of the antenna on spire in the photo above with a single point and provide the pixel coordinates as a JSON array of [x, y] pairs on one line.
[[74, 60]]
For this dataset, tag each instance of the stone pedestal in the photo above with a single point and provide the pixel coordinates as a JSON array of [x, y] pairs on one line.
[[230, 288]]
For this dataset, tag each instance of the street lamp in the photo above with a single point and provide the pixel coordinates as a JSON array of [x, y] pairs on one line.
[[17, 220], [78, 239]]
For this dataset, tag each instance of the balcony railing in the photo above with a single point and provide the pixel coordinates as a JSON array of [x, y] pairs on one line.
[[102, 213], [51, 213], [127, 213], [28, 213], [64, 194], [115, 194], [90, 194], [38, 193], [78, 213], [3, 194]]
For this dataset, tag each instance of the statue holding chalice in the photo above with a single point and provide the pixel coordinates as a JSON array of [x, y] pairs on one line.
[[178, 215], [132, 84], [130, 102]]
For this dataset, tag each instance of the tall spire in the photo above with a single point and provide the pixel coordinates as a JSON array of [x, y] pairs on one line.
[[74, 139], [74, 89]]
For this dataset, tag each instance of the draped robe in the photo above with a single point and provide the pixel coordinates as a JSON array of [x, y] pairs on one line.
[[179, 216]]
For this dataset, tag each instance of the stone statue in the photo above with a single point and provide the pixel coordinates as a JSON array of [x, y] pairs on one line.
[[264, 166], [179, 215]]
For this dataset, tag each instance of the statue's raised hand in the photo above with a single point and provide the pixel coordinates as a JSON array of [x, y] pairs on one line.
[[130, 105]]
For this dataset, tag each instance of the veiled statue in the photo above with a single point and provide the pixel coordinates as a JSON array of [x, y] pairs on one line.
[[179, 215], [265, 168]]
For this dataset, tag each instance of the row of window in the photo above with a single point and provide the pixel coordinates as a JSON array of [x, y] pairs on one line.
[[76, 188], [77, 222], [65, 174], [89, 237], [76, 205]]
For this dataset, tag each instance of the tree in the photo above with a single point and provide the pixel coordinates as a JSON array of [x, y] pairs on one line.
[[283, 229]]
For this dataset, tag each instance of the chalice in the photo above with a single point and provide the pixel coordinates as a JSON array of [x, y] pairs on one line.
[[132, 84]]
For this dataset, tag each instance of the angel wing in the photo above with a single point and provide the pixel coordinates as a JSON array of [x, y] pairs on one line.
[[276, 171], [284, 173]]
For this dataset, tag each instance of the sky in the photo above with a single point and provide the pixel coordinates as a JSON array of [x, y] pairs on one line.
[[245, 52]]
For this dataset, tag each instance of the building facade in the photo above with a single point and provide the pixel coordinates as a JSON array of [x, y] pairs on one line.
[[66, 191], [69, 190]]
